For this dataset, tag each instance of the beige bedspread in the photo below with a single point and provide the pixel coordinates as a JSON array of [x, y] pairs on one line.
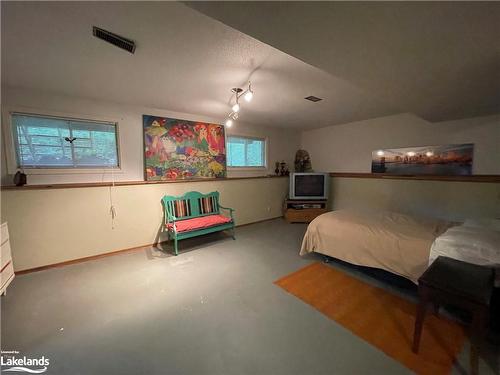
[[394, 242]]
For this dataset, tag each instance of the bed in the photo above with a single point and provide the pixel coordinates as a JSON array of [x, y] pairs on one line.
[[390, 241]]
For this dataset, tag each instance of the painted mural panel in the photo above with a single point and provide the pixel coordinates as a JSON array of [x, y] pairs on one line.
[[181, 149], [426, 160]]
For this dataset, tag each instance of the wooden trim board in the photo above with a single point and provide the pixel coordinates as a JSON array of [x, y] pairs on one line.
[[472, 178], [111, 253], [126, 183]]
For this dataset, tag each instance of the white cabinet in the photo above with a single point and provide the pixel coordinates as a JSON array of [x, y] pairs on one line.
[[6, 267]]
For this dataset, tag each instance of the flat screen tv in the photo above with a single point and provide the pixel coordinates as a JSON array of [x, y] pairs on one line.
[[307, 186]]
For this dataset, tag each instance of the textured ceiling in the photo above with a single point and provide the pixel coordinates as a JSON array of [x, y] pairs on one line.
[[184, 61], [439, 60]]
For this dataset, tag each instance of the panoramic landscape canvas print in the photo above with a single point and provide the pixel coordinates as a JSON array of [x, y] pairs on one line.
[[180, 149], [428, 160]]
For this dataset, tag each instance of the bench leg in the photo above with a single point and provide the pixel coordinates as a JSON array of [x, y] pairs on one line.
[[175, 246], [419, 320], [233, 233]]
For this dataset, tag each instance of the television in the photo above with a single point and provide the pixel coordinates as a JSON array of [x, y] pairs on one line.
[[307, 186]]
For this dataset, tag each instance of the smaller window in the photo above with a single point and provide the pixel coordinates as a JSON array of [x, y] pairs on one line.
[[246, 152], [57, 142]]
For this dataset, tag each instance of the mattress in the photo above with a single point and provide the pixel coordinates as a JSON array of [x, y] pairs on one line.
[[390, 241]]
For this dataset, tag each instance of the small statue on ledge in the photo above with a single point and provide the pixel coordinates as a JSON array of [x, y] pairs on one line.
[[303, 161], [282, 169], [20, 178]]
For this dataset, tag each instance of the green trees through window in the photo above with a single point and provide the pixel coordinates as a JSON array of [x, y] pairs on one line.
[[52, 142], [246, 152]]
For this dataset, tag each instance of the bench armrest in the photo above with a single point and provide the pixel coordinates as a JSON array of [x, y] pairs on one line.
[[227, 208], [231, 210], [170, 218]]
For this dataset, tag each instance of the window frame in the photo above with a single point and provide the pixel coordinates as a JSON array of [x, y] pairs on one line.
[[11, 150], [249, 168]]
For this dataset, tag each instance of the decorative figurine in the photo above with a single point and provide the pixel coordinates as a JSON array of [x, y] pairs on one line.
[[303, 161], [277, 170], [282, 169], [20, 178]]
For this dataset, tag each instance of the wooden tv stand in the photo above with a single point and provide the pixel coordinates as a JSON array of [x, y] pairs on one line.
[[294, 213]]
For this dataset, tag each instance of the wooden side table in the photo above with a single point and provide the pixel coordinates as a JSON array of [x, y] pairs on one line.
[[303, 211], [464, 285]]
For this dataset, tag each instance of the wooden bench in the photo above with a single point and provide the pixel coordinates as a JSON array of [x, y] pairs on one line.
[[194, 214]]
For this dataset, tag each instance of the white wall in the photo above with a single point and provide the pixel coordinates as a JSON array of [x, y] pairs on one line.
[[282, 143], [455, 201], [348, 147], [49, 226]]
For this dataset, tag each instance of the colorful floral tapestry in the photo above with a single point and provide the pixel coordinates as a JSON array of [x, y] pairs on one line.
[[180, 149]]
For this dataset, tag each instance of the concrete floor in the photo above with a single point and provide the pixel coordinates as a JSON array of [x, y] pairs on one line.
[[212, 310]]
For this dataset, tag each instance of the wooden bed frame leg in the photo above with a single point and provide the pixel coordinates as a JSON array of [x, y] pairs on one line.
[[419, 319]]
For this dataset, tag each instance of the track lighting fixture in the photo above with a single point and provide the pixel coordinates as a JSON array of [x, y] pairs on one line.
[[238, 93]]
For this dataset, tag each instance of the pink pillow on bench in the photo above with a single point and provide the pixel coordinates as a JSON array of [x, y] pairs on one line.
[[199, 223]]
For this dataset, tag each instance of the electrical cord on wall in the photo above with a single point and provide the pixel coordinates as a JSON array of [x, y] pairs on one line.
[[112, 209]]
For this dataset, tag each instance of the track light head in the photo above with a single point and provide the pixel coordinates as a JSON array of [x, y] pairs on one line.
[[248, 96], [249, 93]]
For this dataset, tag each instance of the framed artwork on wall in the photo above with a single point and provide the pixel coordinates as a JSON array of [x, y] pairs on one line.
[[428, 160], [180, 149]]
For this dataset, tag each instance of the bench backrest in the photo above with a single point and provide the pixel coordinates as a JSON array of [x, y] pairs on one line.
[[192, 204]]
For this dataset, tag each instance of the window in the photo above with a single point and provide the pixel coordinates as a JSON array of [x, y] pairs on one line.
[[246, 152], [56, 142]]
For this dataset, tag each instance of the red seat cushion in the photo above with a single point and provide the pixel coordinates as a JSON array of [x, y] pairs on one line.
[[199, 223]]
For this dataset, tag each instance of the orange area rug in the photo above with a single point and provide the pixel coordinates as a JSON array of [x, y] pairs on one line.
[[383, 319]]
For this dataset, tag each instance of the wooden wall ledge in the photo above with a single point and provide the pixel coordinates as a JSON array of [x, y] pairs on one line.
[[126, 183], [472, 178]]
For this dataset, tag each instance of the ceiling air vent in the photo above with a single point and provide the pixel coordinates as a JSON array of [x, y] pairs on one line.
[[116, 40], [313, 98]]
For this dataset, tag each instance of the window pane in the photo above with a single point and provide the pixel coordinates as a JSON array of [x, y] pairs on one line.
[[246, 152], [254, 153], [236, 152], [41, 142], [95, 144]]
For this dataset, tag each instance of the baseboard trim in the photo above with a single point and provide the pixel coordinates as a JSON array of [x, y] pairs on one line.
[[112, 253], [84, 259]]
